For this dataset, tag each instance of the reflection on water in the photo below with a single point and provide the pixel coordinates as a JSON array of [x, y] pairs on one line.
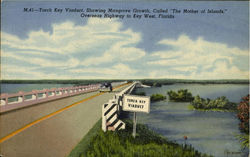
[[209, 132]]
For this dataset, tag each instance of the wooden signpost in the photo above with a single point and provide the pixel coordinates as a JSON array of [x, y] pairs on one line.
[[134, 103]]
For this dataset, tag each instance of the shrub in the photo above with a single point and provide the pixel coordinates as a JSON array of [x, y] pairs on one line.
[[243, 114], [157, 97], [182, 95], [221, 103], [244, 139]]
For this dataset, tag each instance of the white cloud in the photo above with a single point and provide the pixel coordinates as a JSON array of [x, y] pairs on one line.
[[222, 70], [30, 73], [65, 38], [120, 50], [202, 46], [39, 60], [186, 68], [123, 69], [116, 71], [197, 59], [73, 46], [104, 49]]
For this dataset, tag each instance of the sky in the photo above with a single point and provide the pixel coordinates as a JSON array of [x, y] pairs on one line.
[[50, 45]]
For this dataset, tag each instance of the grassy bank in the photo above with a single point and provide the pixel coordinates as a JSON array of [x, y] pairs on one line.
[[122, 144]]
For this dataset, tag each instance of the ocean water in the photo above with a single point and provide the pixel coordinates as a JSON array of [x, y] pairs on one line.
[[209, 132], [15, 88]]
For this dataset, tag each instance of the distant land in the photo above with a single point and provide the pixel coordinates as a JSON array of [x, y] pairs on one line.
[[152, 82], [157, 82]]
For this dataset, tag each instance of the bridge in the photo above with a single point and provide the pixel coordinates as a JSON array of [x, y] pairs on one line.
[[51, 122]]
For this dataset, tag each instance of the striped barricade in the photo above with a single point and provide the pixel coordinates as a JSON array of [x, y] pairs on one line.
[[110, 110], [110, 119]]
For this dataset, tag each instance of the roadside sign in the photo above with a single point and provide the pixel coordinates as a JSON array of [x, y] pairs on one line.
[[136, 103]]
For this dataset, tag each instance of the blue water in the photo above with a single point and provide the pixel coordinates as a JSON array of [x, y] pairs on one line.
[[209, 132], [15, 88]]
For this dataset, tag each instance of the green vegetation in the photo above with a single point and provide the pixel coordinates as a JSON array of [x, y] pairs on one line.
[[244, 139], [146, 144], [150, 82], [191, 107], [183, 95], [243, 115], [219, 104], [157, 97]]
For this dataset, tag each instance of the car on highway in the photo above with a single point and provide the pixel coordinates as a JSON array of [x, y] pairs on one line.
[[106, 87]]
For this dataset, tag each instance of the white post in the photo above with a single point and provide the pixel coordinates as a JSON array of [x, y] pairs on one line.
[[33, 97], [20, 99], [134, 125], [3, 102], [44, 95], [104, 120]]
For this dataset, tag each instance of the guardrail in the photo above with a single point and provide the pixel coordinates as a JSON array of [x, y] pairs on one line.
[[111, 110], [23, 99]]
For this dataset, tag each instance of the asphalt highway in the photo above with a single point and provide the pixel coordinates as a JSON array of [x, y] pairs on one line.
[[50, 129]]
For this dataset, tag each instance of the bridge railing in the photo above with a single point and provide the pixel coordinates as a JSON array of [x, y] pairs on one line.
[[23, 99]]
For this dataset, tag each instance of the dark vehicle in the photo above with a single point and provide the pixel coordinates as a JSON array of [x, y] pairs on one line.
[[106, 87]]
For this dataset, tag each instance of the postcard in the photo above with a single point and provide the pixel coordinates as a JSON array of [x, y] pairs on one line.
[[124, 78]]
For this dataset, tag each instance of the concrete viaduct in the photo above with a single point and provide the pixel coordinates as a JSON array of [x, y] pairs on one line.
[[51, 122]]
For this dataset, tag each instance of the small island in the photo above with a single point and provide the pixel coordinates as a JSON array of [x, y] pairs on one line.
[[218, 104], [157, 97], [182, 95]]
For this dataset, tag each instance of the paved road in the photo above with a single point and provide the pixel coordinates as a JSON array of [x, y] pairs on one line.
[[50, 136]]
